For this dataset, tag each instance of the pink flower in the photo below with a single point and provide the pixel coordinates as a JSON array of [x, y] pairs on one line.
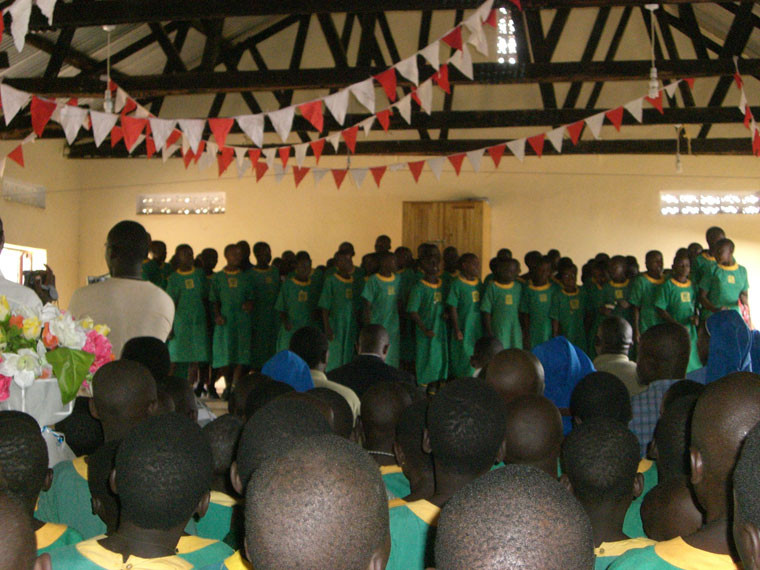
[[101, 347], [5, 384]]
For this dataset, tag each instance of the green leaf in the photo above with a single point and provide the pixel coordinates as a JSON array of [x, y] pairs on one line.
[[70, 368]]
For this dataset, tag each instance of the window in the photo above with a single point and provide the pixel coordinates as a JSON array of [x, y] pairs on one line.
[[694, 203], [183, 204], [506, 42], [15, 259]]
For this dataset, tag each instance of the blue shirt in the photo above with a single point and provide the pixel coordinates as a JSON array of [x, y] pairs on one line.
[[646, 411]]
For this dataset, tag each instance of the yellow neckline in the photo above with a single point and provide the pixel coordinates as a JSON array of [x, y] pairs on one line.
[[301, 283], [386, 279], [426, 511], [619, 285], [431, 285], [80, 466], [396, 503], [682, 555], [180, 272], [679, 284], [260, 270], [576, 293], [343, 279], [223, 499], [502, 286], [707, 256], [608, 549], [540, 287], [733, 267], [654, 281], [190, 543], [388, 469], [97, 554], [233, 272], [645, 465], [237, 562], [453, 274], [48, 533], [471, 283]]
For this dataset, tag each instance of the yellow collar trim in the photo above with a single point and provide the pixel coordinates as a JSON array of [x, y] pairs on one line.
[[237, 562], [190, 543], [426, 511], [388, 469], [679, 284], [682, 555], [574, 294], [97, 554], [233, 272], [473, 282], [540, 287], [453, 274], [259, 269], [733, 267], [386, 279], [180, 272], [80, 466], [503, 286], [396, 503], [707, 256], [301, 283], [431, 285], [645, 465], [48, 533], [619, 547], [619, 285], [343, 279], [223, 499], [654, 281]]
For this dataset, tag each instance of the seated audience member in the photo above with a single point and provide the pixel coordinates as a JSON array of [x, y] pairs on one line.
[[486, 347], [679, 390], [105, 503], [564, 366], [343, 418], [381, 409], [124, 395], [412, 479], [17, 541], [747, 502], [614, 341], [24, 474], [83, 433], [263, 393], [465, 434], [600, 395], [368, 367], [288, 367], [155, 502], [181, 393], [599, 465], [730, 345], [534, 433], [113, 301], [516, 517], [514, 372], [241, 389], [151, 353], [669, 510], [725, 412], [311, 345], [663, 358], [333, 487]]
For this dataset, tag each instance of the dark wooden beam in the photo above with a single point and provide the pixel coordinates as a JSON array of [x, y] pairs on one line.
[[539, 48], [555, 30], [173, 60], [130, 50], [596, 91], [178, 44], [58, 57], [592, 43], [448, 99], [333, 40], [213, 45], [73, 57], [670, 44]]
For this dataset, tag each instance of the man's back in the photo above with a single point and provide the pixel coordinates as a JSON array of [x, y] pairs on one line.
[[623, 368], [366, 370]]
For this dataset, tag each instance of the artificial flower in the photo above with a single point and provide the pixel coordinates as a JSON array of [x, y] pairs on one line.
[[87, 323], [24, 367], [105, 330], [17, 321], [68, 332], [48, 338], [5, 308], [31, 328], [100, 346], [5, 387]]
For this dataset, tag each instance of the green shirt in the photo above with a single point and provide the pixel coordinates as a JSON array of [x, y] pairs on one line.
[[592, 294], [51, 536], [724, 285], [613, 293], [632, 525], [607, 552], [431, 359], [569, 311], [338, 299], [643, 292], [679, 301], [266, 286], [412, 534], [673, 554], [407, 279], [536, 301], [464, 295], [232, 340], [201, 552], [189, 291], [382, 294], [396, 483], [703, 265], [217, 521], [296, 300], [503, 303], [154, 273]]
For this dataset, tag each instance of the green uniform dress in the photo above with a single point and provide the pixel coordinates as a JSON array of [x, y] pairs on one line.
[[703, 265], [502, 302], [614, 292], [407, 280], [679, 301], [296, 299], [338, 299], [217, 521], [607, 552], [592, 296], [632, 525], [724, 285], [536, 301], [396, 483], [431, 359], [317, 279], [643, 293], [382, 294], [569, 311], [154, 273], [90, 555], [673, 554], [447, 279], [266, 286], [413, 528], [232, 340], [464, 295], [189, 291], [51, 536]]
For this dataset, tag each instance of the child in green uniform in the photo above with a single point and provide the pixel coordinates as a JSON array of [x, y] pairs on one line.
[[617, 291], [381, 296], [676, 300], [295, 302], [592, 296], [450, 269], [727, 284], [643, 293], [426, 311], [156, 269], [501, 303], [464, 310], [266, 282], [231, 299], [338, 305], [535, 305], [408, 278], [705, 262], [188, 288], [567, 310]]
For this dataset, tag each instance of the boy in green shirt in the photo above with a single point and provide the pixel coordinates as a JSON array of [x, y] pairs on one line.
[[464, 310], [727, 284], [617, 291], [535, 305], [643, 293], [567, 310], [266, 282], [592, 295], [156, 270], [295, 302], [381, 303], [501, 303], [338, 306], [426, 310], [407, 279], [705, 262]]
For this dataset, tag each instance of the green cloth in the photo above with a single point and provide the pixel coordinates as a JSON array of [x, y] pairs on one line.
[[154, 273], [464, 295], [189, 291], [503, 303], [614, 292], [266, 286], [232, 340], [536, 301], [679, 301], [296, 299], [569, 310], [217, 521], [412, 535], [382, 294], [407, 281], [673, 554], [632, 525], [431, 360], [396, 484], [703, 265], [724, 285], [643, 293], [200, 552], [594, 300], [447, 279], [338, 299], [68, 537], [607, 552]]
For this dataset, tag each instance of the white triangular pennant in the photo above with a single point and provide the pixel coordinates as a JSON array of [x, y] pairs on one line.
[[240, 154], [30, 138], [408, 68], [670, 88], [20, 12], [462, 60], [120, 100], [425, 95], [484, 10], [161, 129], [474, 157], [47, 7], [318, 174], [635, 108], [359, 174], [269, 154], [167, 152], [279, 172], [282, 121], [365, 93], [72, 119], [436, 165], [185, 145], [301, 153], [366, 124], [337, 104], [555, 137], [594, 123], [243, 166], [404, 106], [253, 127], [13, 101], [517, 147], [432, 54], [2, 166], [206, 159], [102, 123], [334, 140], [742, 101], [193, 129], [477, 33]]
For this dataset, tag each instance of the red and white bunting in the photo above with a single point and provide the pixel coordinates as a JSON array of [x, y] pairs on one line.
[[404, 106], [594, 123], [253, 127], [475, 156], [13, 101], [299, 174], [496, 153], [73, 119], [318, 174], [462, 60], [312, 112], [432, 54], [282, 121], [537, 144], [358, 174], [377, 173], [193, 130], [161, 129], [517, 147], [337, 104], [556, 137], [338, 176], [364, 91], [20, 11], [635, 108], [41, 110], [47, 7], [102, 123], [408, 68], [425, 96], [220, 128], [456, 161], [387, 80], [436, 165], [416, 169]]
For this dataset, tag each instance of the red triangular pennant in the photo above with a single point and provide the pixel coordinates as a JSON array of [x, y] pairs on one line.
[[656, 102], [220, 128], [261, 168], [299, 173], [129, 106], [517, 3], [441, 78], [148, 132], [284, 152], [339, 175], [17, 155], [132, 129], [738, 79], [74, 102], [41, 110], [454, 38], [377, 173], [491, 20], [537, 144], [150, 147], [116, 135], [199, 151], [575, 130], [312, 112], [747, 115], [349, 135], [456, 161], [616, 117], [755, 145], [415, 97], [496, 153], [174, 137], [316, 148], [384, 118], [225, 158], [2, 29], [690, 82], [187, 158], [416, 168], [254, 155], [388, 80]]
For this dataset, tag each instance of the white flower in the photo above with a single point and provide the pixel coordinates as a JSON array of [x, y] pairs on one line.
[[50, 313], [29, 312], [69, 333], [24, 367]]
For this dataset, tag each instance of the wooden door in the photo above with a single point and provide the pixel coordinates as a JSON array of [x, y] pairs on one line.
[[463, 223], [422, 223]]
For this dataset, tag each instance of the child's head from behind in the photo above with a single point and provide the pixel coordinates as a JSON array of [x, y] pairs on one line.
[[158, 250], [403, 257], [223, 434], [450, 258], [486, 347], [233, 255], [185, 256], [382, 243], [746, 529], [303, 266], [23, 458]]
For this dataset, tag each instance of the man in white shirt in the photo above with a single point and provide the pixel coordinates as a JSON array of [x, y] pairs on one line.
[[130, 306], [17, 295], [614, 341]]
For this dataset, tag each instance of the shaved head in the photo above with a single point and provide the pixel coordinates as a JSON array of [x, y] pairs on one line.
[[17, 540], [514, 372], [663, 353], [534, 433], [381, 408], [373, 339], [615, 336], [123, 394]]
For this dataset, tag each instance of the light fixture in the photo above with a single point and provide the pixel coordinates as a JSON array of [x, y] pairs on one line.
[[182, 204], [107, 100], [654, 83]]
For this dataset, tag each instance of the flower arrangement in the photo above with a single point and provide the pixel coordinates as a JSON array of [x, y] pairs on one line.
[[48, 343]]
